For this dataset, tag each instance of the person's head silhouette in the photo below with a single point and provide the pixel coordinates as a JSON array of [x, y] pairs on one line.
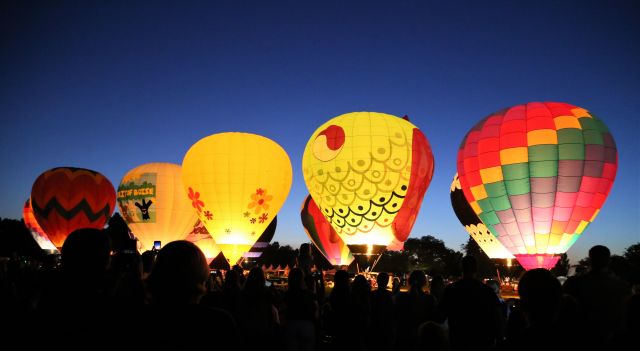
[[417, 280], [179, 275], [86, 253], [341, 280], [382, 280], [469, 266], [599, 257], [296, 279], [540, 295], [255, 280]]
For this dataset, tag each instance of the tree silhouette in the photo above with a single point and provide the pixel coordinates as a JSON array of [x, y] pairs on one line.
[[432, 256]]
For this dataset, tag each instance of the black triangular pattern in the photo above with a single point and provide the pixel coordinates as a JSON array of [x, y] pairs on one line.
[[81, 206]]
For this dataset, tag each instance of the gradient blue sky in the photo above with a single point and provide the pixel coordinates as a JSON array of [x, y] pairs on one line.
[[109, 85]]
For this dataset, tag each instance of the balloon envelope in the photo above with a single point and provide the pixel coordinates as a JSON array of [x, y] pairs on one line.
[[537, 174], [322, 234], [203, 240], [473, 225], [65, 199], [263, 241], [368, 173], [237, 183], [34, 228], [152, 201]]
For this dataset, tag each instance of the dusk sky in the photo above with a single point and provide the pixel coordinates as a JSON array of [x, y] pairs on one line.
[[110, 85]]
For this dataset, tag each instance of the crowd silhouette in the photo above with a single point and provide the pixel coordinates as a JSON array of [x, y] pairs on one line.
[[94, 297]]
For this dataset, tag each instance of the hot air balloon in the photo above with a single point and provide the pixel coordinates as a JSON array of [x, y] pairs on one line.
[[152, 201], [396, 245], [34, 228], [368, 173], [65, 199], [322, 234], [537, 174], [473, 225], [203, 240], [236, 182], [263, 241]]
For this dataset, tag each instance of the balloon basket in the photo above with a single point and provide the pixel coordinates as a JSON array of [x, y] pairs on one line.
[[366, 256]]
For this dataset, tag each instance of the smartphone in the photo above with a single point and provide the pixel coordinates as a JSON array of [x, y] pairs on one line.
[[157, 245]]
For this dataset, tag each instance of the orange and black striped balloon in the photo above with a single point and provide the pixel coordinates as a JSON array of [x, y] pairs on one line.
[[65, 199]]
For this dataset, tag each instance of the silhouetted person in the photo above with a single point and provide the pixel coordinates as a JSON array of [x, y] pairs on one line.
[[472, 310], [259, 321], [395, 286], [337, 317], [241, 278], [128, 290], [300, 310], [601, 295], [305, 259], [80, 297], [176, 285], [540, 300], [148, 260], [382, 315], [504, 308], [412, 309], [230, 298], [360, 307]]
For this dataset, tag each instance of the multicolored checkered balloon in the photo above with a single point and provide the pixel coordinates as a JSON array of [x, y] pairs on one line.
[[537, 174]]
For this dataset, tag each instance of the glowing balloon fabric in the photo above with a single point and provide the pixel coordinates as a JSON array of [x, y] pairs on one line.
[[203, 240], [65, 199], [263, 241], [322, 234], [152, 201], [473, 225], [237, 183], [34, 228], [368, 173], [537, 174]]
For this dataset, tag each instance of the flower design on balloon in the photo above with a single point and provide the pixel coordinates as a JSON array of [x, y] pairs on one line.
[[208, 214], [260, 201], [263, 218], [194, 196]]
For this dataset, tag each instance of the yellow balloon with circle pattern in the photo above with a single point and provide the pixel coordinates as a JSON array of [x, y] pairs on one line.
[[368, 173]]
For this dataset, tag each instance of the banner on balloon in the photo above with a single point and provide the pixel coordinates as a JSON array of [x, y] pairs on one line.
[[153, 203], [137, 198]]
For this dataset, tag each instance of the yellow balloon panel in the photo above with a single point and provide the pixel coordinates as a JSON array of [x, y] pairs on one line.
[[152, 201], [237, 183], [203, 240], [357, 167]]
